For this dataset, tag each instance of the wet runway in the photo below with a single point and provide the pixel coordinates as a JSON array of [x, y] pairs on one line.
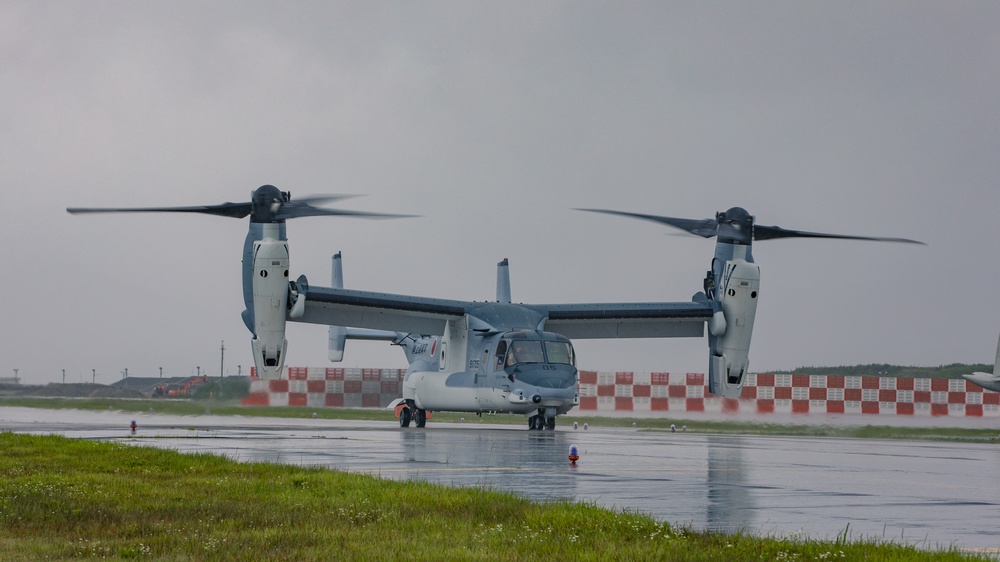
[[925, 493]]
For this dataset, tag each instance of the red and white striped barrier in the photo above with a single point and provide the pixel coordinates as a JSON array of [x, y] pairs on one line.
[[664, 392], [328, 388], [798, 394]]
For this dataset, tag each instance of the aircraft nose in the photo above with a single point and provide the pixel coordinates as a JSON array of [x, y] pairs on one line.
[[545, 376]]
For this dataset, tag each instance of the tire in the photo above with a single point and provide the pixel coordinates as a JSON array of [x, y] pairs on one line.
[[550, 424], [420, 417], [404, 417]]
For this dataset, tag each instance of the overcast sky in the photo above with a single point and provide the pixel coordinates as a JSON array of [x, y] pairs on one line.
[[493, 120]]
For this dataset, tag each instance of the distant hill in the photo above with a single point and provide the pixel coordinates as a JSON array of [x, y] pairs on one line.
[[953, 371]]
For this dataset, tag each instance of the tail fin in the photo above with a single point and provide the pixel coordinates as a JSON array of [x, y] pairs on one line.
[[989, 381], [503, 282], [339, 334], [996, 360]]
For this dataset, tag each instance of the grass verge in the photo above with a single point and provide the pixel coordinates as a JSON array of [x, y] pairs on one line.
[[72, 499]]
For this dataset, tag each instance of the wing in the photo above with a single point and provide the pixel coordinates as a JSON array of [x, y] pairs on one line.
[[422, 315], [380, 311], [628, 320]]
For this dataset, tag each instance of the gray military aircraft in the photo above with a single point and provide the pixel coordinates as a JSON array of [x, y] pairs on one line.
[[493, 356], [498, 356], [989, 381]]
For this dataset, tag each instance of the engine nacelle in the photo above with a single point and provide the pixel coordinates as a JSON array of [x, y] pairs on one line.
[[730, 348], [270, 305]]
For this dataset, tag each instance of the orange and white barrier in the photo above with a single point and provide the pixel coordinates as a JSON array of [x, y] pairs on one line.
[[328, 388], [797, 394], [663, 392]]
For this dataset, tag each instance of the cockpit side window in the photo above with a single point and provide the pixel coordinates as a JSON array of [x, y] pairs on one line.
[[501, 351], [560, 352]]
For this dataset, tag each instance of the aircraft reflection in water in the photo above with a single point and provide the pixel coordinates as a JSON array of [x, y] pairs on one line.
[[491, 356], [524, 465], [730, 504]]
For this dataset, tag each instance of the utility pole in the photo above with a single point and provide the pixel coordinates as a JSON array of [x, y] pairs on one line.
[[93, 373], [15, 376], [64, 376], [222, 363], [161, 372]]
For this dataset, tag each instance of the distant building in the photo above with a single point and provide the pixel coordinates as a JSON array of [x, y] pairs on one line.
[[10, 380]]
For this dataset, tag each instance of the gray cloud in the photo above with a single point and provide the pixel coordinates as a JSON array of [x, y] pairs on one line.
[[492, 121]]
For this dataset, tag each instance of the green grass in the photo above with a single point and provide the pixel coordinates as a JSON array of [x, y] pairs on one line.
[[73, 499], [735, 427]]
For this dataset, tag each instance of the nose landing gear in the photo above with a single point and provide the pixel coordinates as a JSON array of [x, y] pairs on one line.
[[539, 422]]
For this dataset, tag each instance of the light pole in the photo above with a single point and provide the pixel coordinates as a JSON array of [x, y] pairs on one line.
[[222, 363], [15, 376]]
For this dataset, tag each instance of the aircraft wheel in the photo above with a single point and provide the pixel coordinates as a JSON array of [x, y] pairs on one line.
[[538, 422], [404, 417], [420, 417], [550, 424], [531, 423]]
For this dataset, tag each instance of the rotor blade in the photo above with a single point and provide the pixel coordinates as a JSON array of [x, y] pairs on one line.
[[234, 210], [316, 199], [761, 232], [706, 228], [288, 211]]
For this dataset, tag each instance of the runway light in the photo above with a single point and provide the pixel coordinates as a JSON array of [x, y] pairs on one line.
[[684, 428], [462, 420], [574, 454], [633, 424], [314, 415], [575, 425], [133, 426], [672, 428], [585, 427]]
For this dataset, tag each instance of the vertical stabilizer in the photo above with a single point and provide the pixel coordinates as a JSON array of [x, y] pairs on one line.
[[996, 360], [503, 282], [989, 381], [338, 334], [338, 272]]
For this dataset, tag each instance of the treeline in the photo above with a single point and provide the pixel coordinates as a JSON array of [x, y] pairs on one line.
[[952, 371]]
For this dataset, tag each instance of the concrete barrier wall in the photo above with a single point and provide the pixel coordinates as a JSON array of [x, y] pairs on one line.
[[622, 392], [327, 388], [800, 394]]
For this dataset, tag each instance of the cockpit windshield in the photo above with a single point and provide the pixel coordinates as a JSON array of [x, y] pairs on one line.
[[525, 351], [517, 349], [559, 352]]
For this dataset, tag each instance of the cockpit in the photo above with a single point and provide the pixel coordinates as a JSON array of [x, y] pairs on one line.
[[518, 351]]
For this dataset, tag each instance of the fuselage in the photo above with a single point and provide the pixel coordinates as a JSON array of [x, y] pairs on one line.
[[517, 371]]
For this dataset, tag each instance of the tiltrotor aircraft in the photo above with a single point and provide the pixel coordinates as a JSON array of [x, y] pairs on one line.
[[495, 356]]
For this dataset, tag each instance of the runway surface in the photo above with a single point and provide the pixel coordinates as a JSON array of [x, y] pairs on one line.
[[931, 494]]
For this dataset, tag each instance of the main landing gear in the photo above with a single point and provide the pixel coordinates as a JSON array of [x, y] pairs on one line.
[[540, 422], [417, 415]]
